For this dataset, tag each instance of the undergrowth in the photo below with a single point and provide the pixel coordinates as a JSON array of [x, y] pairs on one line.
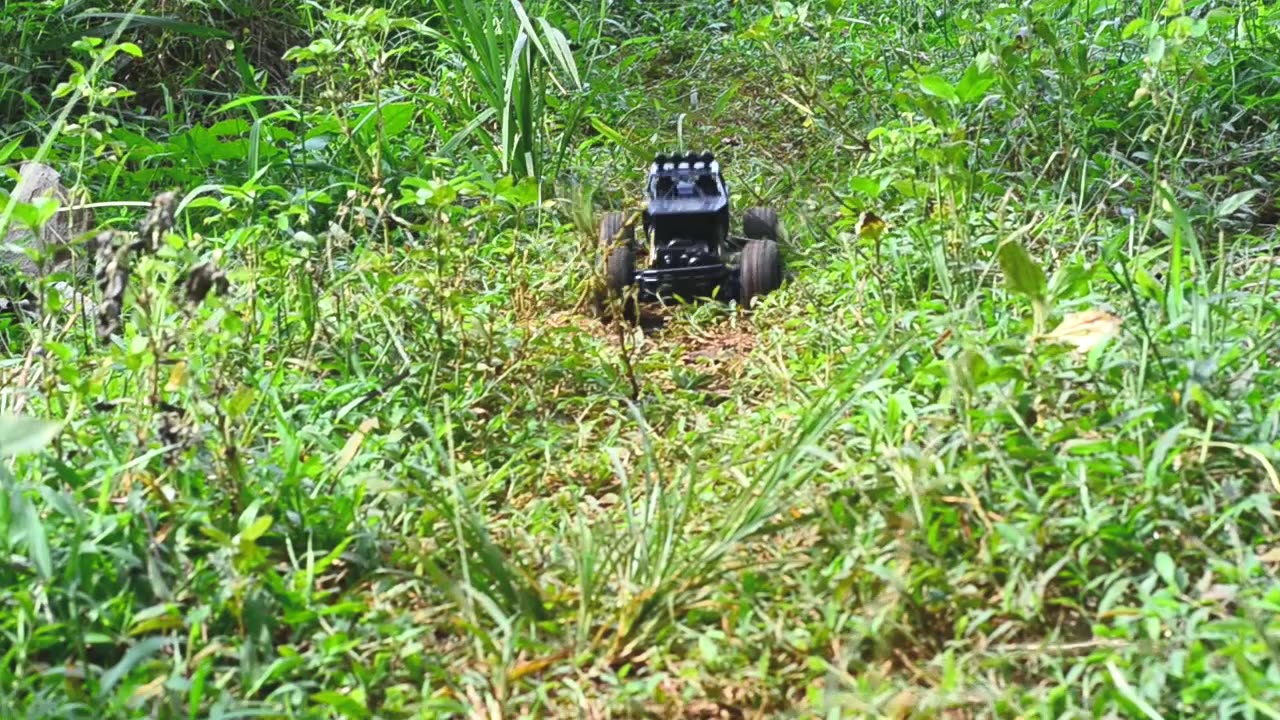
[[348, 431]]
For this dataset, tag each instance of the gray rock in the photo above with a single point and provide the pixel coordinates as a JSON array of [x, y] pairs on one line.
[[54, 241]]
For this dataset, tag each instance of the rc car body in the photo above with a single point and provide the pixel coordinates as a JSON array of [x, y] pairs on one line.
[[690, 251]]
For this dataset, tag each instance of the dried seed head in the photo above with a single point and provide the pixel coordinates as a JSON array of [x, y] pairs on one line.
[[200, 280], [111, 271], [176, 431], [158, 222]]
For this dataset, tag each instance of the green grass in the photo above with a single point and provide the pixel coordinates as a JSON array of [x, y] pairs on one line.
[[404, 465]]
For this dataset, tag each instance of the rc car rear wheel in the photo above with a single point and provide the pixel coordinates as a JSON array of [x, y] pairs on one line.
[[761, 223], [761, 271]]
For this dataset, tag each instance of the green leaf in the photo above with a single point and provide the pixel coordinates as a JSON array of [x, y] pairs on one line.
[[560, 49], [1133, 27], [1127, 692], [35, 213], [345, 704], [1160, 453], [912, 188], [20, 435], [257, 529], [241, 401], [138, 344], [617, 138], [1166, 569], [26, 520], [7, 150], [1235, 202], [135, 655], [129, 48], [453, 142], [521, 194], [396, 118], [1221, 16], [1021, 273], [1155, 51], [707, 649], [866, 186], [1182, 237], [248, 100], [936, 86], [969, 369], [973, 84]]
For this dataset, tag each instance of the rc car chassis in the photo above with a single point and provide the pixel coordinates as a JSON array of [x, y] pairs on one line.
[[690, 251]]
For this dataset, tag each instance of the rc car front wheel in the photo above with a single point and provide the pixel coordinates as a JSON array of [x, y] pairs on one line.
[[761, 223], [620, 258], [619, 269], [613, 227], [761, 271]]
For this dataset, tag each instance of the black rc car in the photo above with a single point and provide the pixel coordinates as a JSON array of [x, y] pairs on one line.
[[691, 252]]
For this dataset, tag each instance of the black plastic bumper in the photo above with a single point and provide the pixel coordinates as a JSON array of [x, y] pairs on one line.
[[699, 281]]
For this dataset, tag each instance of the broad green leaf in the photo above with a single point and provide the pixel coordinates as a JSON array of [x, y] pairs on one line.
[[912, 188], [396, 118], [973, 84], [1155, 51], [866, 185], [1160, 453], [520, 194], [936, 86], [129, 48], [20, 435], [616, 137], [1178, 28], [1021, 273], [480, 119], [249, 100], [1183, 239], [35, 213]]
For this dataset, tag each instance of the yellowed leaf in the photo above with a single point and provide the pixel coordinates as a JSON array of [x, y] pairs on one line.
[[902, 705], [804, 109], [152, 689], [176, 377], [354, 442], [870, 225], [1086, 330]]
